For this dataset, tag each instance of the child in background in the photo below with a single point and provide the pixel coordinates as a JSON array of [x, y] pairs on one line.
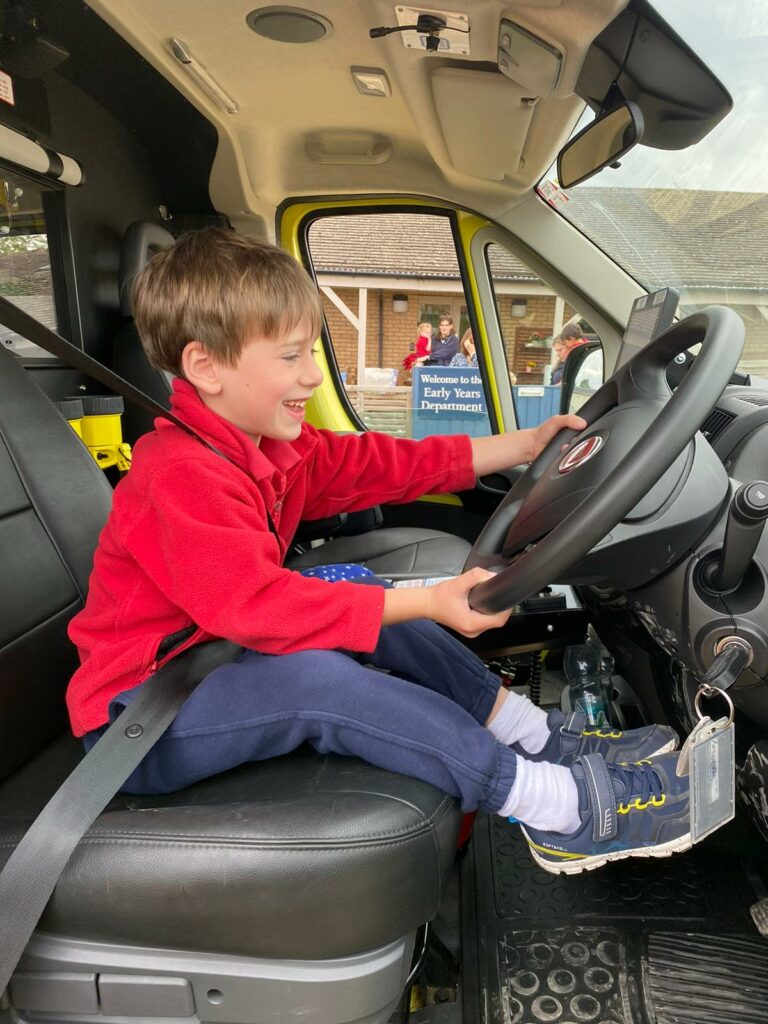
[[423, 347]]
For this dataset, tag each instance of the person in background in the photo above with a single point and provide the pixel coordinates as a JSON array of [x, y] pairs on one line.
[[560, 354], [467, 354], [423, 347], [572, 336], [446, 344]]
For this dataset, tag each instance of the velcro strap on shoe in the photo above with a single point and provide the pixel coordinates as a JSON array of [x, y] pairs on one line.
[[574, 723], [605, 821], [571, 730]]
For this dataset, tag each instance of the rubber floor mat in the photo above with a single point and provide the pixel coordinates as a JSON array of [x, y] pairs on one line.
[[620, 945], [703, 978]]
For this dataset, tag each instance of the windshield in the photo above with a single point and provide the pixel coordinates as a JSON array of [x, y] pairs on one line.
[[697, 219]]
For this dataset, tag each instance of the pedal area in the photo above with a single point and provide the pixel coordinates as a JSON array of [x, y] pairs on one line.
[[666, 941]]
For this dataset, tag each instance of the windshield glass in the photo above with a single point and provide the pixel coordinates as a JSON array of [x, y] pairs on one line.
[[697, 219]]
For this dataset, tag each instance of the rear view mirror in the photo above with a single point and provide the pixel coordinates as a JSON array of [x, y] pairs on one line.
[[599, 144]]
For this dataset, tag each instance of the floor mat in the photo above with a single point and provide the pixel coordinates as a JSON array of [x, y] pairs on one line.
[[637, 942]]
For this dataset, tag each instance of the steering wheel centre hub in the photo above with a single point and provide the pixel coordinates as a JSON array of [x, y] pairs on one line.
[[581, 453]]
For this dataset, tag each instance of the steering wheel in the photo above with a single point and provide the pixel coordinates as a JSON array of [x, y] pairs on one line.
[[569, 500]]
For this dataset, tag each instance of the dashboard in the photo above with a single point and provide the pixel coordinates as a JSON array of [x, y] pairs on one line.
[[737, 429]]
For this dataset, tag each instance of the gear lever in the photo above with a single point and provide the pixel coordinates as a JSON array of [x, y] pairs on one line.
[[747, 516]]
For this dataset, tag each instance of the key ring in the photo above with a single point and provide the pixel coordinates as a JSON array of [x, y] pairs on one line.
[[714, 691]]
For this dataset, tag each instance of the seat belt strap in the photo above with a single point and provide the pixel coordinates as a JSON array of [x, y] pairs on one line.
[[30, 875]]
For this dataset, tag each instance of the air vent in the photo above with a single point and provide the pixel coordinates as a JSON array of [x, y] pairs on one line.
[[715, 424], [754, 401]]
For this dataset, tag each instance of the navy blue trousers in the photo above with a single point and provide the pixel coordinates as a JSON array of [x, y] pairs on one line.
[[421, 717]]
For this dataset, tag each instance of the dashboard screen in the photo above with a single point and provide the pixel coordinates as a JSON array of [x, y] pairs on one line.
[[649, 317]]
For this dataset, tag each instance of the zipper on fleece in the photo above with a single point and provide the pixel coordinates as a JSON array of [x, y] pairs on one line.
[[159, 662]]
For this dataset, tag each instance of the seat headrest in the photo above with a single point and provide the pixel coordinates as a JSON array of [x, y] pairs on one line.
[[141, 241]]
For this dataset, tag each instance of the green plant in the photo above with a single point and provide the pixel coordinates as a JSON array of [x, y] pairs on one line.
[[16, 286]]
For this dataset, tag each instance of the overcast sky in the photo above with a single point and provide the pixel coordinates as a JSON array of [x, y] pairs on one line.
[[731, 36]]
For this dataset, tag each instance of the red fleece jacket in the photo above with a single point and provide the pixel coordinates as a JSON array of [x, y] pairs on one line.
[[188, 543]]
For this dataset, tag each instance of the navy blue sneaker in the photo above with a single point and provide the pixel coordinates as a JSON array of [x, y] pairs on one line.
[[626, 810], [572, 736]]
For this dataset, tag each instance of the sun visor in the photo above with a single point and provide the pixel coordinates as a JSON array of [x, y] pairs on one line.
[[485, 120], [639, 57]]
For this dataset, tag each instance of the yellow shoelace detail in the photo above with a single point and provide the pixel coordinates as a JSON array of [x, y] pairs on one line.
[[603, 735], [635, 805]]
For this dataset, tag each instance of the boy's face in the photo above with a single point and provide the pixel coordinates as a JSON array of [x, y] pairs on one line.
[[266, 391]]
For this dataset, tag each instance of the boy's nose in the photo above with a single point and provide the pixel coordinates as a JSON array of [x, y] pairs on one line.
[[313, 375]]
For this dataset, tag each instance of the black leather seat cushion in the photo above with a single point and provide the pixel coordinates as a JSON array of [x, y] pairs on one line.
[[399, 550], [304, 856]]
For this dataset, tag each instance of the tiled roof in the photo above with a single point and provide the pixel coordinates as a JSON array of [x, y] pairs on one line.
[[395, 245], [660, 236], [666, 236]]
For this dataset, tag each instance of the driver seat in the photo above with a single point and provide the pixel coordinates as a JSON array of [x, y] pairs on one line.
[[284, 889], [394, 551]]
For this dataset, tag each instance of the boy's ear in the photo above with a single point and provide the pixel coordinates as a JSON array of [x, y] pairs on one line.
[[200, 368]]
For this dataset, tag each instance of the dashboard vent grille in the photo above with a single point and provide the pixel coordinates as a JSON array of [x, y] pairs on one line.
[[754, 401], [715, 424]]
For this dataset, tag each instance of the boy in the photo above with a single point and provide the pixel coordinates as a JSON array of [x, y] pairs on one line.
[[193, 549]]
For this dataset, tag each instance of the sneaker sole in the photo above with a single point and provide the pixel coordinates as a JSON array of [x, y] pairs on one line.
[[575, 867]]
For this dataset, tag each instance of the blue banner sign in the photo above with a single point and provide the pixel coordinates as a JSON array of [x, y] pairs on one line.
[[449, 400]]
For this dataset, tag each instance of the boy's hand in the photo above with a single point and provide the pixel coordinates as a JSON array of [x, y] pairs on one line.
[[503, 451], [543, 434], [447, 604]]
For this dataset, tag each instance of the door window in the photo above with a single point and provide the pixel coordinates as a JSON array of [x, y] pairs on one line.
[[383, 276], [25, 262], [539, 329]]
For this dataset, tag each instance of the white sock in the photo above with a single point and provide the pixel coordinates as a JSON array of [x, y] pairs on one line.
[[520, 721], [543, 796]]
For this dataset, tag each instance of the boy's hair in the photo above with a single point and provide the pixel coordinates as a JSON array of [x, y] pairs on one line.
[[219, 288]]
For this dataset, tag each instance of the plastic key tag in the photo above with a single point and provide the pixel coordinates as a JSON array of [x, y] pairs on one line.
[[709, 753]]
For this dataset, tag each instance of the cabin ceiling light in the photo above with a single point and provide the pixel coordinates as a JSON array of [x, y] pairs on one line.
[[289, 24], [519, 308], [203, 78], [371, 81]]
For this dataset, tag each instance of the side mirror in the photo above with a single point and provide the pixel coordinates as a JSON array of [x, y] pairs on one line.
[[599, 144], [583, 374]]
